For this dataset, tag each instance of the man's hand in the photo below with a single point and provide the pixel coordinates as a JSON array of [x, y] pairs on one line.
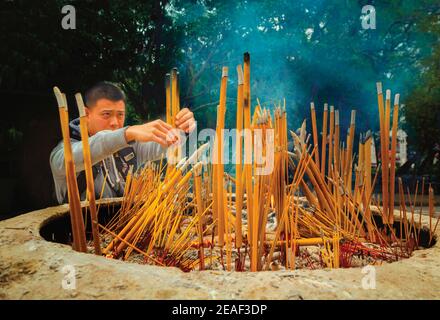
[[157, 131], [185, 120]]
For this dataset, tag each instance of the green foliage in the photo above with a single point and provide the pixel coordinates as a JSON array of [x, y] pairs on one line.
[[130, 42], [422, 112], [303, 51]]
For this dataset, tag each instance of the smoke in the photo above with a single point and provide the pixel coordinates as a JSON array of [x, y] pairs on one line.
[[301, 51]]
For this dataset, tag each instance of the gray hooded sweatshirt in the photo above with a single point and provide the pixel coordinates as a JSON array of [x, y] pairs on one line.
[[111, 156]]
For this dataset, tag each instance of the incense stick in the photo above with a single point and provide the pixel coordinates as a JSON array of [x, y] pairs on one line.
[[324, 140], [393, 154], [238, 166], [89, 173], [315, 131]]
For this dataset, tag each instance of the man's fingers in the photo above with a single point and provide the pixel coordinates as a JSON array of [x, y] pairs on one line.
[[160, 141], [162, 128], [166, 125], [172, 136], [173, 139], [159, 137], [187, 125], [181, 113], [166, 135], [162, 124], [191, 127], [160, 134], [184, 118], [169, 133]]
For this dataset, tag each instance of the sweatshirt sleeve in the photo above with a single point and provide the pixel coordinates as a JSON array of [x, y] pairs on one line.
[[148, 151], [102, 145]]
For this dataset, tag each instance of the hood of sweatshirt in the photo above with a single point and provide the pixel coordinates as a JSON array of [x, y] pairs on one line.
[[75, 131]]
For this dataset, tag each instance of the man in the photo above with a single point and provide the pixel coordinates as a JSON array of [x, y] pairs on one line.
[[113, 147]]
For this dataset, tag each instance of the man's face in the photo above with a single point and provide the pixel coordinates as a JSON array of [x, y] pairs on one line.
[[105, 115]]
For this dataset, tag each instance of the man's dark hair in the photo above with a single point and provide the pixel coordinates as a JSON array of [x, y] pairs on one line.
[[104, 90]]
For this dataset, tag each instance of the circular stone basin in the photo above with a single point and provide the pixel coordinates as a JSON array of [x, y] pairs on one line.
[[34, 264]]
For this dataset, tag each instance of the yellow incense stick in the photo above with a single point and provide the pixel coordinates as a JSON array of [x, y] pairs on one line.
[[238, 166], [89, 173], [393, 155], [324, 140], [315, 130]]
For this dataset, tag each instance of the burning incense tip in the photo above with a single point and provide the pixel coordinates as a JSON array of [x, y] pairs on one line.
[[396, 99], [247, 57], [332, 109], [353, 117], [337, 118], [379, 87], [174, 74], [388, 94], [240, 75], [312, 105], [325, 106], [80, 104], [224, 72]]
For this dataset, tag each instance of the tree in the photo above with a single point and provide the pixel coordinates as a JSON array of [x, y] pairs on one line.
[[130, 42], [303, 51]]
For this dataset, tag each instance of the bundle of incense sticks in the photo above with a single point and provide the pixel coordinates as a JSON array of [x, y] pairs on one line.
[[172, 94], [388, 157], [158, 210], [172, 91]]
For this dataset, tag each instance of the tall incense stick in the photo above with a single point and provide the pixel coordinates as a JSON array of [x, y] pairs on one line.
[[393, 155], [220, 168], [324, 139], [238, 166], [89, 173], [331, 139], [315, 131], [383, 150]]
